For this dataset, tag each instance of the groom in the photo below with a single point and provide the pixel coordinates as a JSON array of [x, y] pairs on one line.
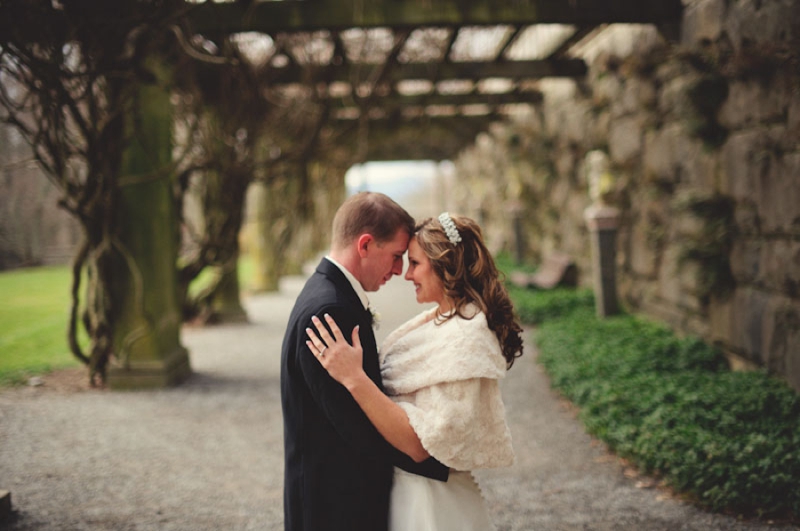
[[338, 468]]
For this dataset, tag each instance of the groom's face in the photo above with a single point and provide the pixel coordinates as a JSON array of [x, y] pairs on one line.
[[384, 260]]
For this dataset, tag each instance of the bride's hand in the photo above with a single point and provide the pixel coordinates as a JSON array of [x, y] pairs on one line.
[[342, 361]]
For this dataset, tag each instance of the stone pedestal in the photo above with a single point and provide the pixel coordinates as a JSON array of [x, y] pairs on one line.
[[603, 221], [515, 208]]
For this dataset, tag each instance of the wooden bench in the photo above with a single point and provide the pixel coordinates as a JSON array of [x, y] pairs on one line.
[[558, 269]]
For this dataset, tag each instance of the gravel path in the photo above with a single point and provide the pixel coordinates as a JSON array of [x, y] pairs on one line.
[[208, 455]]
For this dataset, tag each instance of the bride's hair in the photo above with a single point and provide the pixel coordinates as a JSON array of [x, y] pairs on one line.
[[469, 275]]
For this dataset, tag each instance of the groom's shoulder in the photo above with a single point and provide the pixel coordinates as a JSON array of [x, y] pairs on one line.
[[325, 275], [321, 290], [320, 284]]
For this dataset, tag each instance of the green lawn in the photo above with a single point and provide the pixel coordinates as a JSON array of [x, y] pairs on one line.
[[34, 312]]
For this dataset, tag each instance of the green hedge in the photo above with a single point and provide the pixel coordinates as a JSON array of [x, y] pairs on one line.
[[537, 306], [730, 440]]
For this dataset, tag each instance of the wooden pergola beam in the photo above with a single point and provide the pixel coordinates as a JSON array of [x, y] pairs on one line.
[[510, 40], [579, 34], [394, 101], [424, 138], [269, 17], [433, 71]]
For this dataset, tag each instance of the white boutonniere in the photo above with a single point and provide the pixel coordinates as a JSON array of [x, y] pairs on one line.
[[375, 318]]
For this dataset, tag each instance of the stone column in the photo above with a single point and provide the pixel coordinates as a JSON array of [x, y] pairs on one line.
[[603, 222], [227, 303], [147, 347], [264, 275]]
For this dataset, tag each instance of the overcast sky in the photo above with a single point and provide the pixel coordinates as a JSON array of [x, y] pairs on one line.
[[396, 179], [413, 184]]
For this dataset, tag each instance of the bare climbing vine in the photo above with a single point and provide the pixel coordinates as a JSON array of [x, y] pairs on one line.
[[243, 129], [69, 71], [70, 75]]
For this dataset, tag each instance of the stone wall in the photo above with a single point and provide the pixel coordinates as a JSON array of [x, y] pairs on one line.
[[703, 134]]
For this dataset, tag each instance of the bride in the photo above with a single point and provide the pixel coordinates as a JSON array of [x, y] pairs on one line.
[[440, 371]]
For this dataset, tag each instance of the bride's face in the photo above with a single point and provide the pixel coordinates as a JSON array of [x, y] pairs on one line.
[[428, 286]]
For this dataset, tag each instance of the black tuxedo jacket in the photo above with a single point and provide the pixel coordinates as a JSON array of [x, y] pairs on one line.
[[338, 468]]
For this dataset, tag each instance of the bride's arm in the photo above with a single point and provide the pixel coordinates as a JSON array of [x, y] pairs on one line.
[[387, 417], [344, 363]]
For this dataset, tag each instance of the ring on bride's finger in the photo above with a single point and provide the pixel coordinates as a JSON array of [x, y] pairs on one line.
[[322, 352]]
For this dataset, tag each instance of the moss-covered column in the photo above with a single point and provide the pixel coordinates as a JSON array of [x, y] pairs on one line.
[[265, 278], [227, 303], [147, 348]]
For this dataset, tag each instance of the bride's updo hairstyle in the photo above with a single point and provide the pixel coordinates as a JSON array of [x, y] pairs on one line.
[[469, 275]]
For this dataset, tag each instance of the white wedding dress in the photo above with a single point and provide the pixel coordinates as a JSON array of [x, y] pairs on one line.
[[422, 504], [445, 377]]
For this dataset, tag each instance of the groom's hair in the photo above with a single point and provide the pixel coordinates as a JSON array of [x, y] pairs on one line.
[[369, 212]]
